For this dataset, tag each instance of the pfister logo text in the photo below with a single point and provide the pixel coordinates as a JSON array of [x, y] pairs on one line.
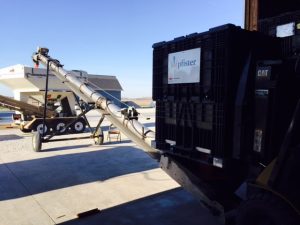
[[184, 67], [183, 62]]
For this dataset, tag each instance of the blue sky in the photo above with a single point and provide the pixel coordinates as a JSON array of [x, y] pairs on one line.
[[112, 37]]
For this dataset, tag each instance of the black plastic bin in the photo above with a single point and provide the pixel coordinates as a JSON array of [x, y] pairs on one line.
[[196, 120]]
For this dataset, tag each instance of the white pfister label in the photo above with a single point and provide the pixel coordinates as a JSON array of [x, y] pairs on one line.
[[184, 67]]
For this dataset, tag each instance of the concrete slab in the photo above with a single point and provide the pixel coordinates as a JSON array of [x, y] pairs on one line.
[[166, 208], [71, 177], [64, 204], [18, 209]]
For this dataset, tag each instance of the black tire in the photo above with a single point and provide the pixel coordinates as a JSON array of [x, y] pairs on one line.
[[78, 126], [266, 209], [99, 137], [60, 127], [36, 142]]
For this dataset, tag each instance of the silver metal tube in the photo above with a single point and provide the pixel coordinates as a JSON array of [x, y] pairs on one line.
[[134, 130]]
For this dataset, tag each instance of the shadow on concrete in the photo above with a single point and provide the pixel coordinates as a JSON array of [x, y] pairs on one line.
[[149, 124], [10, 137], [72, 147], [23, 178], [105, 128], [166, 208], [114, 141]]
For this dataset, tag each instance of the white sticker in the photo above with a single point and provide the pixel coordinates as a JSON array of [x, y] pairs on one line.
[[257, 140], [285, 30], [184, 67]]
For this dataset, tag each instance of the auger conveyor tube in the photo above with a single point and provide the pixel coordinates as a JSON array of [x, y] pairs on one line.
[[134, 130]]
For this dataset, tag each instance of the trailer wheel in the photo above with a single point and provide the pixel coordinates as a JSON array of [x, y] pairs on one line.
[[36, 142], [60, 127], [39, 128], [99, 137], [266, 209], [79, 126]]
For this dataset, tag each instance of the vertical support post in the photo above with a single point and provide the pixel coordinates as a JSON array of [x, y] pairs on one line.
[[99, 124], [251, 14], [45, 99]]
